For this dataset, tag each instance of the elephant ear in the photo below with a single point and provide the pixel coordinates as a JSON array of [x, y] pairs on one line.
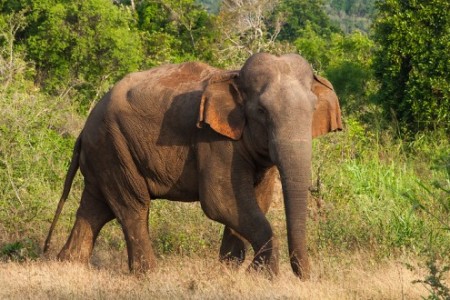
[[327, 115], [221, 106]]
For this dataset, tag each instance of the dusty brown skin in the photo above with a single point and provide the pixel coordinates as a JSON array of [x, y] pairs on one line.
[[191, 132]]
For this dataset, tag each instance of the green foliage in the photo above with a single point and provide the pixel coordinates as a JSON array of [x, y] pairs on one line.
[[413, 61], [346, 60], [440, 211], [82, 44], [175, 31], [35, 140], [297, 14], [435, 281], [354, 7], [182, 228], [352, 14], [364, 177], [20, 251], [350, 70]]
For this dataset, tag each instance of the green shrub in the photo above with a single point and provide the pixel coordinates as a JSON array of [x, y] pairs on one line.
[[182, 228], [364, 177], [437, 263], [412, 62], [36, 137], [20, 251], [81, 46]]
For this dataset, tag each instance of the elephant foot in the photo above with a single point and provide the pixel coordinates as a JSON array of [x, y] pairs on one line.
[[232, 249], [78, 247], [270, 270], [141, 264], [266, 259], [73, 255]]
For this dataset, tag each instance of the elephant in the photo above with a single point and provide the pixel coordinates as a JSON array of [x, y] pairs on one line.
[[192, 132]]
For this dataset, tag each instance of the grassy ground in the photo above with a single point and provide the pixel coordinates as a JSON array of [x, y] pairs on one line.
[[188, 268], [375, 205], [195, 278]]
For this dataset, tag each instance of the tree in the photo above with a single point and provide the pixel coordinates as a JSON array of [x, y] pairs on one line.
[[12, 63], [352, 14], [297, 14], [346, 60], [413, 61], [82, 44], [35, 132], [350, 70], [175, 30], [247, 27], [359, 8]]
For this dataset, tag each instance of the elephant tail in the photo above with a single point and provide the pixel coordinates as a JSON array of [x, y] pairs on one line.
[[73, 168]]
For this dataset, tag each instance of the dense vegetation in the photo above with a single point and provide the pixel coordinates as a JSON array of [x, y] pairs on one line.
[[381, 186]]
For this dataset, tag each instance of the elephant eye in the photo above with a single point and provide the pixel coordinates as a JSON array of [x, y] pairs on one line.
[[261, 110]]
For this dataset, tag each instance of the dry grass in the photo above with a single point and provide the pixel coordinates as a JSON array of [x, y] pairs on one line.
[[190, 278]]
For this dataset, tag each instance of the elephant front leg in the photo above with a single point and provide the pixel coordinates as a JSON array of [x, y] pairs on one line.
[[265, 245], [233, 248], [235, 206], [255, 228]]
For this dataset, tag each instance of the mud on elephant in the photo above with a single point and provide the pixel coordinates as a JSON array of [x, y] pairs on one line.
[[191, 132]]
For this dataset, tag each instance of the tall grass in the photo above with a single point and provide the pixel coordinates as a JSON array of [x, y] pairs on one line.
[[365, 179], [198, 278]]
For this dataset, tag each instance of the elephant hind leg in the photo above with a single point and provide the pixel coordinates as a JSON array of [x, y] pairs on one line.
[[140, 252], [233, 248], [92, 215], [129, 199]]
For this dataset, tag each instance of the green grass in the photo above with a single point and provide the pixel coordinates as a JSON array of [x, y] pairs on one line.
[[370, 183]]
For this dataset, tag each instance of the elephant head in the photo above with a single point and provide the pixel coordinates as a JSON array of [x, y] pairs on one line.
[[276, 105]]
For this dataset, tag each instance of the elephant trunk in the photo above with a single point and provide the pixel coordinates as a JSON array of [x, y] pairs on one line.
[[293, 159]]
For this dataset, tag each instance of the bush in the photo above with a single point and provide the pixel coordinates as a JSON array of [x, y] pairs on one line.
[[20, 251], [364, 177], [412, 62], [82, 45], [36, 139]]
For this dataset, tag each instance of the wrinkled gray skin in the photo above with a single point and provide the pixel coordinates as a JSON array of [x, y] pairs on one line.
[[191, 132]]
